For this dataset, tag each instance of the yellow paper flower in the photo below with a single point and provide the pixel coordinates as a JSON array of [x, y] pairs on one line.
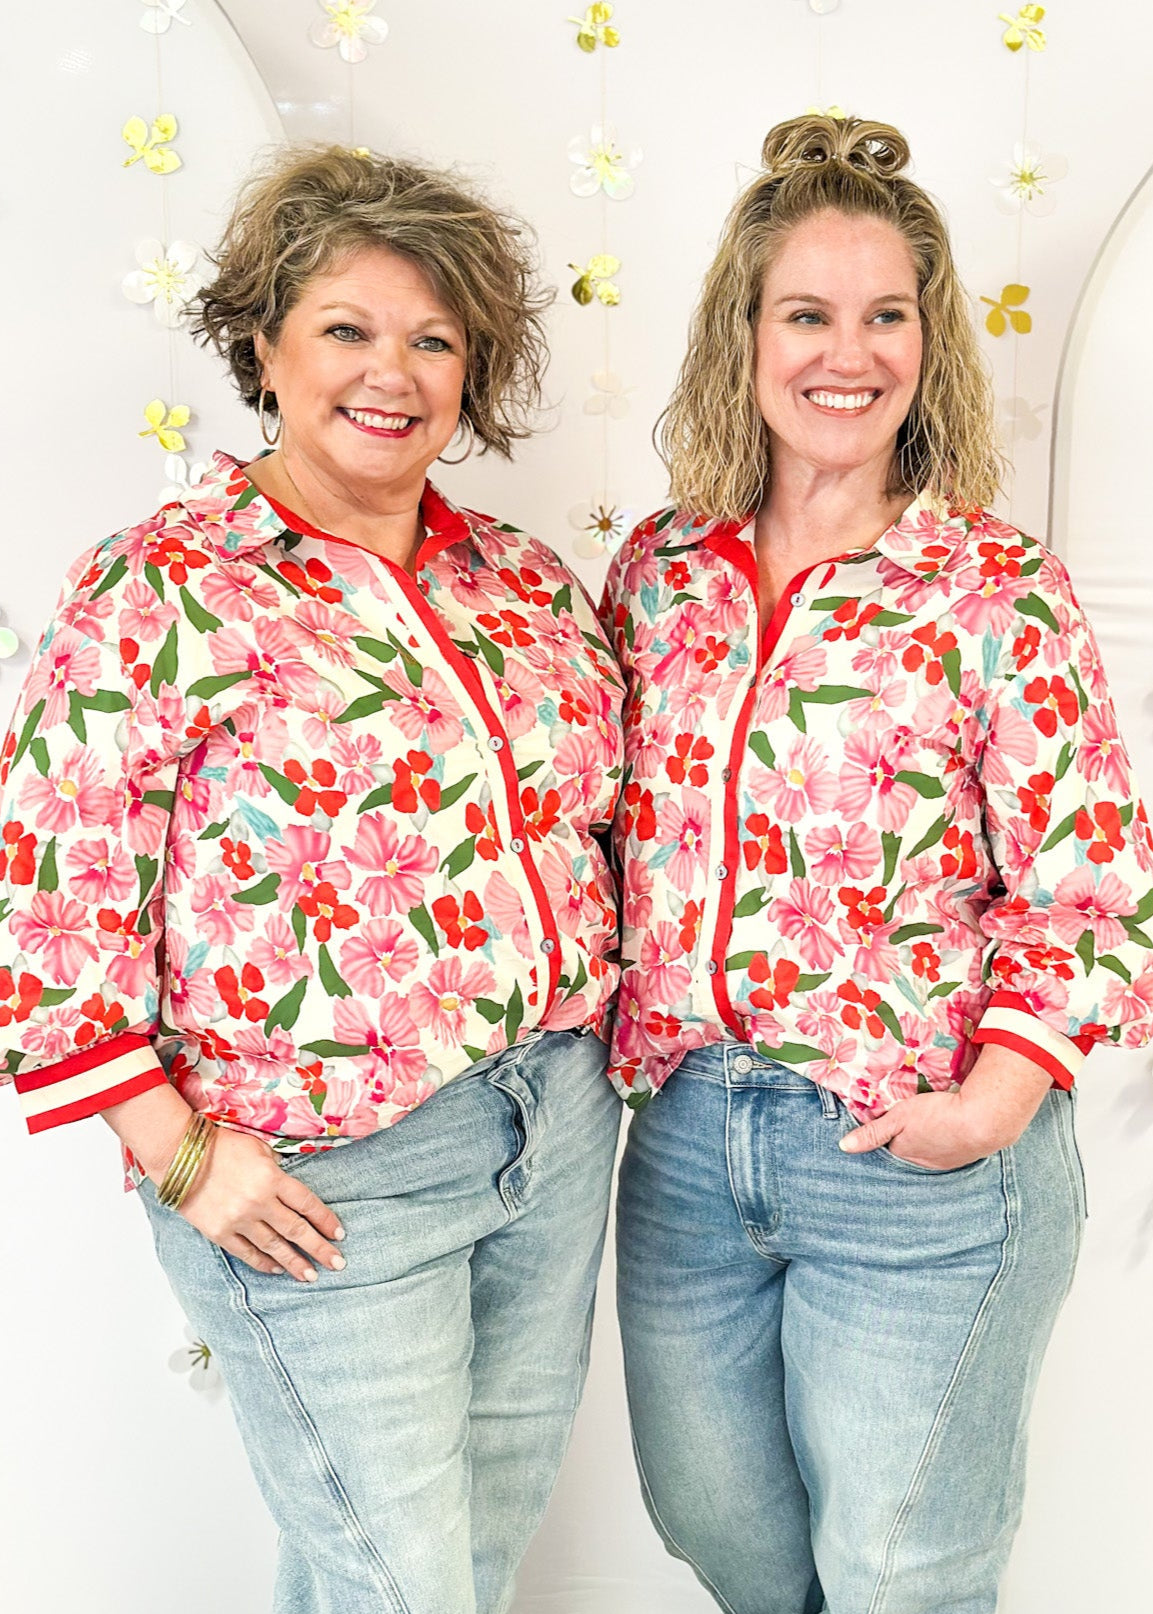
[[837, 112], [593, 28], [1024, 28], [164, 424], [596, 280], [152, 145], [1006, 311]]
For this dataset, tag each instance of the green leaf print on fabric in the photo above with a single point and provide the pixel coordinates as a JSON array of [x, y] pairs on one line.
[[286, 1010]]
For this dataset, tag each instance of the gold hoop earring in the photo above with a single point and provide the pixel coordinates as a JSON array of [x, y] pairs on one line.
[[463, 421], [275, 438]]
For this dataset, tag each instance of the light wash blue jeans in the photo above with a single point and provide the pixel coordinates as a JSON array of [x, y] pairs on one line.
[[406, 1417], [830, 1357]]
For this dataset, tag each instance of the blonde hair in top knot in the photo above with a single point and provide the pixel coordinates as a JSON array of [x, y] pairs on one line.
[[873, 148], [712, 436]]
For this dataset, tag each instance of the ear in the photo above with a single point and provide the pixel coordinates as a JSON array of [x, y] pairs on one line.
[[263, 349]]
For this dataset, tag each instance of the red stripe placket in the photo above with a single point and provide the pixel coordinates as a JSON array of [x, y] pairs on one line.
[[446, 527], [469, 676], [730, 861]]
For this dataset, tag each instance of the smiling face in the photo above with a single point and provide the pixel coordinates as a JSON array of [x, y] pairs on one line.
[[838, 343], [367, 370]]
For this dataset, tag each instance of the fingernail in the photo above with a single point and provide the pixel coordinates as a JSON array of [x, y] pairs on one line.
[[339, 1234], [338, 1263], [309, 1275], [846, 1145]]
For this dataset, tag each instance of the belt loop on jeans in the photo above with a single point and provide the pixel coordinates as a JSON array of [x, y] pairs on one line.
[[829, 1107]]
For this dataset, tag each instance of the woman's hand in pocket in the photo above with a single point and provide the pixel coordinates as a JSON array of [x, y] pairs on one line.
[[944, 1131], [241, 1199], [245, 1202]]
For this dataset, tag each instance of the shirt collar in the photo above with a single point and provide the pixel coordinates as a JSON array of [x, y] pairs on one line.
[[921, 541], [235, 518]]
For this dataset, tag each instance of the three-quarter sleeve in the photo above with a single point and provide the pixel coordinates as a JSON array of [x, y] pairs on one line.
[[87, 776], [1072, 956]]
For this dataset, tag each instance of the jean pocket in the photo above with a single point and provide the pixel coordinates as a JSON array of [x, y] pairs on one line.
[[932, 1171], [885, 1154]]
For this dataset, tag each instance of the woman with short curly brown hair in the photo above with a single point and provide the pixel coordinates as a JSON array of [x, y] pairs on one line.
[[874, 873], [308, 208], [309, 904]]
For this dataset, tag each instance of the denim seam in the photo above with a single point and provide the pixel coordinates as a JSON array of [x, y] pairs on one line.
[[1075, 1169], [511, 1196], [735, 1197], [354, 1530], [667, 1536], [920, 1473]]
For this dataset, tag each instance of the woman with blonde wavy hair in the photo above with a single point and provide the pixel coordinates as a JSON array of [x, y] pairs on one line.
[[885, 877]]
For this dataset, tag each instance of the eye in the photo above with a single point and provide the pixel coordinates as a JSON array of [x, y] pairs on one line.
[[434, 344], [808, 317], [890, 316], [344, 333]]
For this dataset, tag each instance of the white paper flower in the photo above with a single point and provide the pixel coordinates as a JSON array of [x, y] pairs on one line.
[[1025, 182], [609, 396], [159, 15], [822, 7], [602, 525], [181, 476], [347, 24], [602, 164], [168, 278], [196, 1359], [1021, 420]]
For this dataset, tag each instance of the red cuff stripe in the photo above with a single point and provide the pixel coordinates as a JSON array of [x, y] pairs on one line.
[[92, 1105], [101, 1053], [1021, 1045]]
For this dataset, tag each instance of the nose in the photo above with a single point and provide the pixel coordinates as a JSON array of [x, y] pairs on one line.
[[388, 368], [848, 352]]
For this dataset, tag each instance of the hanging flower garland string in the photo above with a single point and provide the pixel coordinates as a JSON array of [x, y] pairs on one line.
[[351, 27], [603, 168], [1023, 186], [168, 273]]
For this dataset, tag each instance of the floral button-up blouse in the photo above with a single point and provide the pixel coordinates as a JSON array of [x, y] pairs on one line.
[[897, 825], [299, 832]]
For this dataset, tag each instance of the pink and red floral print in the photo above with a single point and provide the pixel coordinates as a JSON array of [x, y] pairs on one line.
[[296, 831], [897, 825]]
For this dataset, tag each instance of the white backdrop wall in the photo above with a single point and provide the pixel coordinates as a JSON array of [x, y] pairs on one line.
[[116, 1482]]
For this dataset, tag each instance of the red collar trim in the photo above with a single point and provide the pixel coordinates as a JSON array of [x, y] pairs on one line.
[[444, 526], [919, 552], [725, 540]]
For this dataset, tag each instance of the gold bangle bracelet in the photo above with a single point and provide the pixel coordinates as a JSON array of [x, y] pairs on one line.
[[186, 1170], [197, 1153], [174, 1177], [187, 1162]]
